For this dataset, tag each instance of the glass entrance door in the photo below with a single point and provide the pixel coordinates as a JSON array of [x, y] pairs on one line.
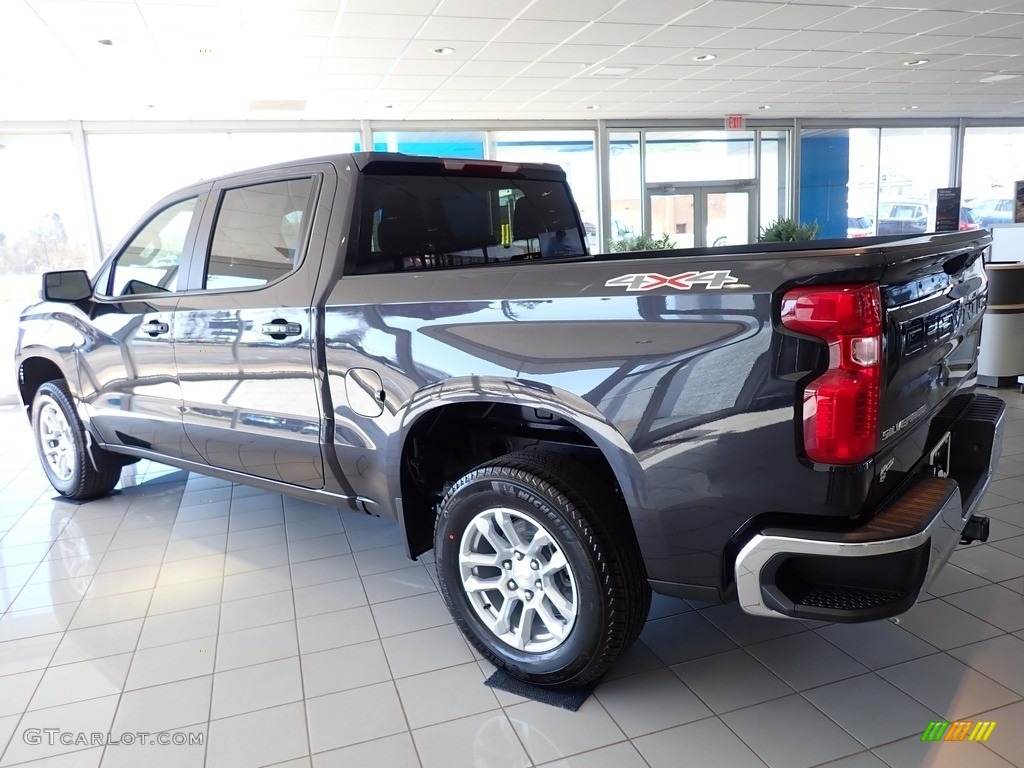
[[704, 215], [674, 214]]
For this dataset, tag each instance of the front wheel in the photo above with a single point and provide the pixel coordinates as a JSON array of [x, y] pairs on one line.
[[61, 443], [532, 573]]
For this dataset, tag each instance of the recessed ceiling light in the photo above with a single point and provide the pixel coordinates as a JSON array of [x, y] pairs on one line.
[[704, 57], [911, 106], [105, 41], [444, 51], [915, 62]]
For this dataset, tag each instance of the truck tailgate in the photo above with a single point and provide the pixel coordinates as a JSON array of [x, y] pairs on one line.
[[933, 307]]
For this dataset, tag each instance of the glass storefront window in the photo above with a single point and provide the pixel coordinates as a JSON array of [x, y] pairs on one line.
[[626, 185], [43, 218], [866, 181], [573, 151], [43, 226], [993, 163], [861, 211], [912, 164], [678, 156], [250, 150], [131, 172], [774, 182], [468, 144]]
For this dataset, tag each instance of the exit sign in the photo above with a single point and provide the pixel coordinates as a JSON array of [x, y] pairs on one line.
[[735, 122]]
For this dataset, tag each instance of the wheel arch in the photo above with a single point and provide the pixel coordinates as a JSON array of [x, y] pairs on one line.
[[456, 401], [37, 366]]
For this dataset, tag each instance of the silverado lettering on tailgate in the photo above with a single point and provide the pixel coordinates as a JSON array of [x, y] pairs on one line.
[[713, 280], [921, 332]]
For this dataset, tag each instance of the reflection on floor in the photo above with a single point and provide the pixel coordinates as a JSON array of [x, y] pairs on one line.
[[285, 633]]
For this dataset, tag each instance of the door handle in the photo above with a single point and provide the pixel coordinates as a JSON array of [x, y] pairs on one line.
[[155, 328], [279, 329]]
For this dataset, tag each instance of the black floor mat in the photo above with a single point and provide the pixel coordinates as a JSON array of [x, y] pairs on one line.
[[80, 502], [566, 698]]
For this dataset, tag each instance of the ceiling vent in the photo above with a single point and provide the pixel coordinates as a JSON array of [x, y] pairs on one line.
[[997, 78], [612, 72]]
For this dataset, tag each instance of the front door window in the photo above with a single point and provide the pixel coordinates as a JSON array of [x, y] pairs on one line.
[[150, 262]]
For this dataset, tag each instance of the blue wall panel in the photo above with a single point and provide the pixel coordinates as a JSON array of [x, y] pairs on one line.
[[824, 183]]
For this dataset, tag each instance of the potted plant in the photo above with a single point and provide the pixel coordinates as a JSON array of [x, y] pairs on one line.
[[641, 242], [787, 230]]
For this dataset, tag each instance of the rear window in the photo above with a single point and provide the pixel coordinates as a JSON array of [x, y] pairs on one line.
[[409, 223], [906, 211]]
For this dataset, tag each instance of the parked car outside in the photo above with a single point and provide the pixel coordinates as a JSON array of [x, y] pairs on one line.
[[992, 210], [907, 217], [969, 219], [902, 217], [860, 226]]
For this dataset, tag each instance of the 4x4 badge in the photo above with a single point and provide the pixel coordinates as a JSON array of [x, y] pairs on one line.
[[713, 280]]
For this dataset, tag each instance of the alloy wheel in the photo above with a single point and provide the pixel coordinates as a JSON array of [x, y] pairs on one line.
[[518, 580], [56, 441]]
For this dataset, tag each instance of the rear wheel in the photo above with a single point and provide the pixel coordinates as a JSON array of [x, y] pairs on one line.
[[538, 568], [61, 443]]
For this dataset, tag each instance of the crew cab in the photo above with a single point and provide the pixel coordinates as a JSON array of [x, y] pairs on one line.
[[792, 426]]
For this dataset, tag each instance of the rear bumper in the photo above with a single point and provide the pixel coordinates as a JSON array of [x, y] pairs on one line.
[[880, 569]]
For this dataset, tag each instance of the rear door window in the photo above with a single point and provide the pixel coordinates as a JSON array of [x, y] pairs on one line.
[[260, 233]]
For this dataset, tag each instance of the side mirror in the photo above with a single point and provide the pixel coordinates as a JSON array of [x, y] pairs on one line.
[[69, 286]]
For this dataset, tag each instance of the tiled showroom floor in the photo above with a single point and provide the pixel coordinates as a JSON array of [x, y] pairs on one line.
[[289, 634]]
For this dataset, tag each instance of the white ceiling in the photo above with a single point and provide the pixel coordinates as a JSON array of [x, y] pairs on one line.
[[513, 59]]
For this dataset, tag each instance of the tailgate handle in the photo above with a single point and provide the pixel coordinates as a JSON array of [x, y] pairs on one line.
[[155, 328], [957, 263], [279, 329]]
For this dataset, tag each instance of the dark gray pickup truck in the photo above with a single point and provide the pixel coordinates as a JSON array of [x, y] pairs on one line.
[[791, 426]]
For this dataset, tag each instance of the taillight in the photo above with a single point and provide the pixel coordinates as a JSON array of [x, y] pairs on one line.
[[840, 411]]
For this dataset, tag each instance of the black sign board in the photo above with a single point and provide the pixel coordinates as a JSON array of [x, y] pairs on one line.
[[947, 209]]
